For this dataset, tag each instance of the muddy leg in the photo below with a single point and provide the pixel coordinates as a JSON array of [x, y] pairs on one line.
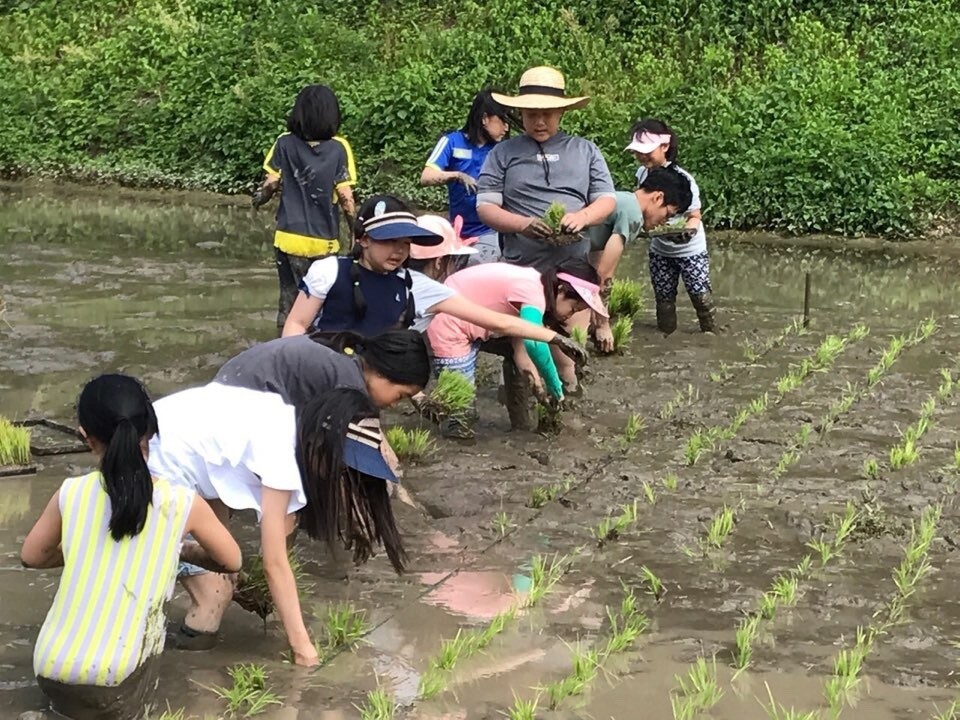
[[665, 276], [706, 313], [695, 271], [517, 396]]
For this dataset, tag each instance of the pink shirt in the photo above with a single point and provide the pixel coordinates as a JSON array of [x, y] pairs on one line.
[[500, 287]]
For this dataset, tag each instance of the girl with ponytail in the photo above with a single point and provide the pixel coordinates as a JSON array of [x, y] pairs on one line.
[[117, 532]]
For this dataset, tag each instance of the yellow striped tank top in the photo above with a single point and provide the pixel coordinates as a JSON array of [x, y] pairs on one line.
[[107, 616]]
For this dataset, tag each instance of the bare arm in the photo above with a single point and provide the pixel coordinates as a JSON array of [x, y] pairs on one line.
[[301, 316], [41, 548], [499, 323], [436, 176], [347, 202], [215, 548], [280, 578], [694, 219], [609, 259], [507, 222], [593, 214]]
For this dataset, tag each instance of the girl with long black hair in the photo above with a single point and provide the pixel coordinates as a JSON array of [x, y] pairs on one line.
[[317, 466], [117, 532]]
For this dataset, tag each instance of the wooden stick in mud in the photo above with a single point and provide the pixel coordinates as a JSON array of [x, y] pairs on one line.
[[806, 301]]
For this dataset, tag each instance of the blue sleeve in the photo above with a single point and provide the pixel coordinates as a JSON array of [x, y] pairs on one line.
[[540, 353], [442, 154]]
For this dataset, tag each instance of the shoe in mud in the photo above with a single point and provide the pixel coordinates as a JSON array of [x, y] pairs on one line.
[[667, 316], [703, 304], [185, 638]]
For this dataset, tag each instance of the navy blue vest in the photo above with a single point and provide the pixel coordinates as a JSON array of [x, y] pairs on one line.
[[385, 295]]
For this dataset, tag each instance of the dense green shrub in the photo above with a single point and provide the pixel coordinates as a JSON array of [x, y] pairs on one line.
[[800, 115]]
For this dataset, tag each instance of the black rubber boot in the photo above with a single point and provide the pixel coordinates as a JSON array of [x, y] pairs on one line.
[[703, 304], [667, 316]]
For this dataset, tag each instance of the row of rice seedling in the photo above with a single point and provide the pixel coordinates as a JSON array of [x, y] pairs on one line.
[[755, 351], [545, 573], [840, 688], [705, 440], [249, 694]]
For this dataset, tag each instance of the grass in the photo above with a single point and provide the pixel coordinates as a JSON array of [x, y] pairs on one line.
[[249, 695], [622, 330], [696, 692], [720, 527], [453, 395], [416, 444], [14, 443], [626, 299], [379, 706]]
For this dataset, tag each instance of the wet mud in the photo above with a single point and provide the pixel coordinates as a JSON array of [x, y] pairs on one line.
[[168, 291]]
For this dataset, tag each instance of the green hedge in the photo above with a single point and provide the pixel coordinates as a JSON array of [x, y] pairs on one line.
[[802, 115]]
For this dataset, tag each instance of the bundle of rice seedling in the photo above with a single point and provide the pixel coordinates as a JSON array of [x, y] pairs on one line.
[[14, 443], [453, 395], [253, 592], [626, 299]]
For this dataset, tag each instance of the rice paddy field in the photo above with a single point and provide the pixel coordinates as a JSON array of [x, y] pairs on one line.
[[757, 524]]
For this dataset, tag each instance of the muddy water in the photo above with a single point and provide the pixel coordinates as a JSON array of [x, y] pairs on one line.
[[168, 286]]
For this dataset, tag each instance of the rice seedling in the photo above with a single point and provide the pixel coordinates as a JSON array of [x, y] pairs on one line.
[[622, 330], [501, 522], [14, 443], [249, 693], [915, 565], [453, 395], [720, 527], [785, 589], [253, 592], [951, 713], [758, 405], [523, 709], [544, 574], [823, 548], [779, 712], [787, 460], [632, 430], [542, 494], [625, 626], [681, 399], [697, 692], [344, 626], [461, 645], [648, 493], [956, 457], [859, 332], [846, 676], [626, 299], [379, 706], [926, 328], [416, 444], [169, 714], [767, 606], [610, 528], [432, 683], [946, 384], [579, 336], [871, 469], [697, 444], [670, 481], [554, 215], [746, 632], [721, 375], [654, 584]]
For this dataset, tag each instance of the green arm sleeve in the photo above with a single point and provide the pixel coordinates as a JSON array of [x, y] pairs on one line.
[[540, 353]]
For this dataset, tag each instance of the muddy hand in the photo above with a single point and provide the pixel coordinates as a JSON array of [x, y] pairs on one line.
[[571, 348], [306, 658], [469, 184], [259, 199], [572, 223], [604, 339], [537, 229]]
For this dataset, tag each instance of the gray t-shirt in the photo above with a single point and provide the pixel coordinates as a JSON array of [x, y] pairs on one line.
[[626, 221], [698, 243], [524, 177], [296, 368]]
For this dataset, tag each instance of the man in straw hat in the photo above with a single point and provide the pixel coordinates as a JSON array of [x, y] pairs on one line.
[[524, 175]]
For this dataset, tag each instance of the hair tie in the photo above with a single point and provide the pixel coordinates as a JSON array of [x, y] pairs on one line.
[[348, 351]]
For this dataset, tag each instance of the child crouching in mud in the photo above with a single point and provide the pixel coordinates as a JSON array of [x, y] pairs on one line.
[[117, 532]]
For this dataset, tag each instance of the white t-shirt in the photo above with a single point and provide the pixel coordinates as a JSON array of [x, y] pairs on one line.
[[228, 443], [698, 243], [426, 291]]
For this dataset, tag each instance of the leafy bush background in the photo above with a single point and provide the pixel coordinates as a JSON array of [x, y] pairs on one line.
[[802, 115]]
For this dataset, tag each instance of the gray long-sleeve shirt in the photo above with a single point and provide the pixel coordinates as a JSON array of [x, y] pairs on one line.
[[524, 177]]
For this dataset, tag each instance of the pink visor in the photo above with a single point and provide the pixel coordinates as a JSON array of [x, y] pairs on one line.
[[587, 291], [647, 142], [452, 243]]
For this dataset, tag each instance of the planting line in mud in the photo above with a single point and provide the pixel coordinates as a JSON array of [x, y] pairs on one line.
[[707, 440], [752, 352]]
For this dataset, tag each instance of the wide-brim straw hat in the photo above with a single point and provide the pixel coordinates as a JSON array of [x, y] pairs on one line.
[[542, 88]]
